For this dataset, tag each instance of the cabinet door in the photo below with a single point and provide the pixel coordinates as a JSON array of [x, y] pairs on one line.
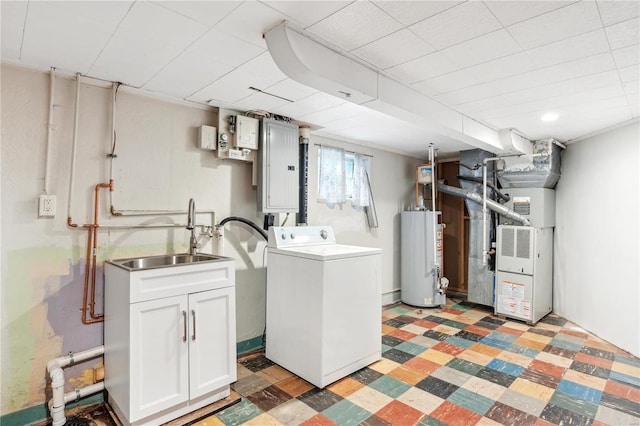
[[159, 355], [212, 337]]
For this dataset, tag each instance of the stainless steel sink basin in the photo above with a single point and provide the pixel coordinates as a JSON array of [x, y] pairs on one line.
[[163, 261]]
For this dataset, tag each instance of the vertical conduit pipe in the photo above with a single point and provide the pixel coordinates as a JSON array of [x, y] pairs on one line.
[[303, 167], [436, 267], [74, 144], [52, 84]]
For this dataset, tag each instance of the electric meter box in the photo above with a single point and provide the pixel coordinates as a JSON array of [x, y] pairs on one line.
[[278, 172], [247, 129]]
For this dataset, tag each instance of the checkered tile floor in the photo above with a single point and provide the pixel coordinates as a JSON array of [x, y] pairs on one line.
[[457, 366]]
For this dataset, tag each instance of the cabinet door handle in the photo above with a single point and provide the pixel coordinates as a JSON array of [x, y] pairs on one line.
[[193, 315], [184, 334]]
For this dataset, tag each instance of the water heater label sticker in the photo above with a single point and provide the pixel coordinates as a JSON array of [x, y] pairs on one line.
[[522, 205]]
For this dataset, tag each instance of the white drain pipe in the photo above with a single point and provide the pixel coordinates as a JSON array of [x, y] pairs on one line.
[[54, 367]]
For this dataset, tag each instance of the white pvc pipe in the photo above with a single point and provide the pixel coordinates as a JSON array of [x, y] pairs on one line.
[[52, 84], [54, 367], [74, 145]]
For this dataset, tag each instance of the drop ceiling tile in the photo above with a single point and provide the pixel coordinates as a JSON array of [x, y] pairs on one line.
[[316, 102], [511, 12], [394, 49], [583, 45], [225, 48], [626, 56], [265, 69], [482, 49], [228, 89], [200, 69], [422, 68], [631, 87], [566, 87], [488, 104], [410, 12], [250, 21], [624, 33], [329, 115], [489, 71], [574, 69], [577, 18], [613, 12], [309, 12], [12, 15], [208, 13], [355, 25], [105, 12], [150, 21], [455, 25], [260, 101], [53, 37], [291, 89], [629, 74]]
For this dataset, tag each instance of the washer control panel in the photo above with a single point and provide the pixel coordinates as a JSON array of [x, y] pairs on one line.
[[288, 236]]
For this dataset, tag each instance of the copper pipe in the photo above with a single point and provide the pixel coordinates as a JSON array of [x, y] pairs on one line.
[[90, 233], [70, 223]]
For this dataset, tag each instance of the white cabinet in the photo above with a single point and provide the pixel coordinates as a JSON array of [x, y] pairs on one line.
[[169, 339]]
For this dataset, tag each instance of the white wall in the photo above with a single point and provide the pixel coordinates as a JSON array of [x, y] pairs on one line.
[[596, 276], [158, 167]]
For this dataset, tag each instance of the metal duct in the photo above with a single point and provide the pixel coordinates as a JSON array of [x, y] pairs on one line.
[[303, 177], [492, 205], [541, 171]]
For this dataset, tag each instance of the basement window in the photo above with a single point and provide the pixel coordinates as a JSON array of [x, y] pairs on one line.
[[342, 176]]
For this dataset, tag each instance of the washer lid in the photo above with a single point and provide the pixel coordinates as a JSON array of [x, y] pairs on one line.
[[326, 251]]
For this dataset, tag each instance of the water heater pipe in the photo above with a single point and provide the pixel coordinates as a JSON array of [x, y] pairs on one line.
[[434, 182], [59, 398]]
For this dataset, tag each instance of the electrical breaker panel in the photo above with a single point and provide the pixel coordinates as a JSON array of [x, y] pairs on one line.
[[278, 172]]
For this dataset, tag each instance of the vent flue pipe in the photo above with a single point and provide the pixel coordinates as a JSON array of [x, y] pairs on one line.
[[491, 205]]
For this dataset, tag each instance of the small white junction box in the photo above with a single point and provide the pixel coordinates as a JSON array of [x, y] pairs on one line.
[[207, 137]]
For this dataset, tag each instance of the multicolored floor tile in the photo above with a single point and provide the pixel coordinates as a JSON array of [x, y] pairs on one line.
[[459, 365]]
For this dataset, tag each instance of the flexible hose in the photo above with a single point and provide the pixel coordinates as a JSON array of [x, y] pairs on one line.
[[246, 222]]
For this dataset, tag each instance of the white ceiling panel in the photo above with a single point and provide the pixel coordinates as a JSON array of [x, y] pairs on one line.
[[291, 89], [489, 71], [613, 12], [228, 89], [13, 15], [540, 77], [306, 13], [224, 48], [200, 69], [394, 49], [501, 62], [208, 13], [410, 12], [629, 74], [333, 114], [569, 21], [566, 87], [626, 56], [423, 68], [355, 25], [316, 102], [260, 101], [511, 12], [249, 22], [458, 24], [266, 71], [54, 37], [624, 33], [583, 45], [482, 49]]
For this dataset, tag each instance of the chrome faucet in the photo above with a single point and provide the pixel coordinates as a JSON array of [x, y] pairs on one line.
[[191, 225]]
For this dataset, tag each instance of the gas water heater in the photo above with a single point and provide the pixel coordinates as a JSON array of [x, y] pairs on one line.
[[421, 280]]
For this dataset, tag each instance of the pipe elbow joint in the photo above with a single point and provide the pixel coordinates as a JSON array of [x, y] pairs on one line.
[[57, 377]]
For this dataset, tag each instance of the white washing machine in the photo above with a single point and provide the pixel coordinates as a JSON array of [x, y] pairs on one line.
[[323, 304]]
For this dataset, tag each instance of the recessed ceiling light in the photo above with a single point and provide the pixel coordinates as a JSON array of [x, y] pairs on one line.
[[550, 116]]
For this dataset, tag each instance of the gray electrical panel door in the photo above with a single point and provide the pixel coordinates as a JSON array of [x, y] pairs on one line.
[[278, 167]]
